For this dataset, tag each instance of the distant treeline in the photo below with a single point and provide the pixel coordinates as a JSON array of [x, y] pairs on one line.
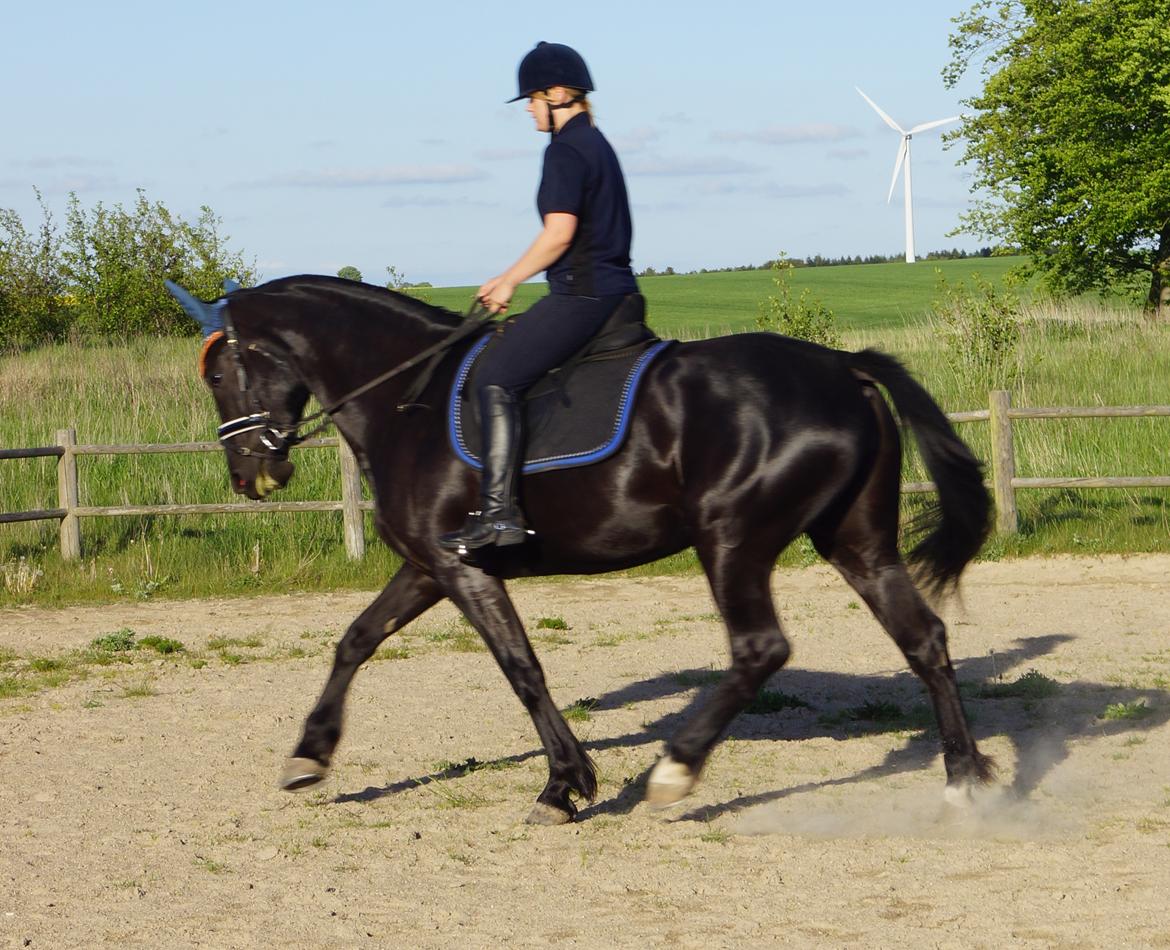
[[818, 260]]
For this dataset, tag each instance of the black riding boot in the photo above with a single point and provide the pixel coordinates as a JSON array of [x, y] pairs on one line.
[[500, 521]]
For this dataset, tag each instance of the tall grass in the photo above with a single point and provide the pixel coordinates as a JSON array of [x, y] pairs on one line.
[[1075, 355], [148, 391]]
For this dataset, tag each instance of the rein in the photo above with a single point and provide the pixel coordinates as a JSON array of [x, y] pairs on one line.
[[280, 438]]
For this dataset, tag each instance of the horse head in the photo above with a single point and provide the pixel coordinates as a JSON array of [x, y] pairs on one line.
[[258, 397]]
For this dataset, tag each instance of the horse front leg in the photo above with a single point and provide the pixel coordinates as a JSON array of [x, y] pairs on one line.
[[487, 606], [409, 593]]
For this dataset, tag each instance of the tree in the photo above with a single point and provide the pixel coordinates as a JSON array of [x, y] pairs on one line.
[[1070, 138], [33, 304], [350, 273], [114, 263]]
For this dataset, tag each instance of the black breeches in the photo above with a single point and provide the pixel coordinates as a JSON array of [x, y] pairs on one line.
[[545, 335]]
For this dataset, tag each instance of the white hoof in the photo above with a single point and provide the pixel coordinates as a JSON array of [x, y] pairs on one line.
[[959, 796], [669, 782], [301, 773]]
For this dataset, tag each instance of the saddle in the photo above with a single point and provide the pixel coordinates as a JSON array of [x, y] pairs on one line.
[[577, 413]]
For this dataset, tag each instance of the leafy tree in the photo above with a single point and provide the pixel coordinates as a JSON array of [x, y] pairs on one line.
[[350, 273], [1070, 137], [115, 261], [33, 304]]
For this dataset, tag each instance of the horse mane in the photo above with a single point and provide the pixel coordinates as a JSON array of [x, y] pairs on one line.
[[354, 295]]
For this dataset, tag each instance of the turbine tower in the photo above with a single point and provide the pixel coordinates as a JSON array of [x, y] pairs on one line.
[[902, 162]]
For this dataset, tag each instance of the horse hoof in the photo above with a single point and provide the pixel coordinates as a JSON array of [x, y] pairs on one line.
[[301, 773], [543, 814], [669, 782], [959, 796]]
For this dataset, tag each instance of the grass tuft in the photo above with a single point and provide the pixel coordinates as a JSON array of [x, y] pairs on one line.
[[581, 710], [1031, 685], [1126, 712]]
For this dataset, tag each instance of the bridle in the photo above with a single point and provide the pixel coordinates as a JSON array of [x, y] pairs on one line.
[[280, 437]]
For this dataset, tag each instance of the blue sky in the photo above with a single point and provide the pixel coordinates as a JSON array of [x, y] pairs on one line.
[[377, 134]]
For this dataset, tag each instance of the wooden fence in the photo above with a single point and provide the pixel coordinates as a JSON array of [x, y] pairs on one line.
[[69, 508], [1000, 415]]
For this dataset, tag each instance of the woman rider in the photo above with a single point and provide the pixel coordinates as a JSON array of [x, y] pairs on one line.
[[585, 248]]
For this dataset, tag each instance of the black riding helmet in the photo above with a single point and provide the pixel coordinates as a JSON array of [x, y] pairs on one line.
[[552, 64]]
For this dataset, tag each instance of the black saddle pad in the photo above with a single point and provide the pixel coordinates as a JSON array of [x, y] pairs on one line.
[[577, 414]]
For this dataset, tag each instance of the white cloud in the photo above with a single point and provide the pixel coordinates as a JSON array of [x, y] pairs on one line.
[[503, 154], [659, 166], [790, 134], [635, 140], [373, 177], [773, 190], [847, 154]]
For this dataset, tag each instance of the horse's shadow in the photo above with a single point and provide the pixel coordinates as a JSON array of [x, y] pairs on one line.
[[844, 706]]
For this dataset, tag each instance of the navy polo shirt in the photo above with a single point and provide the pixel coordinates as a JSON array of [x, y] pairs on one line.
[[582, 177]]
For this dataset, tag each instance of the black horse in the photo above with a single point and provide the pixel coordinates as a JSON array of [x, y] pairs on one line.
[[736, 447]]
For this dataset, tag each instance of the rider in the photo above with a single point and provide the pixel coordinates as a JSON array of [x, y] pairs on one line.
[[585, 248]]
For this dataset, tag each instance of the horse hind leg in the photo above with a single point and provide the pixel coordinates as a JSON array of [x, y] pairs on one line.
[[863, 548], [739, 584]]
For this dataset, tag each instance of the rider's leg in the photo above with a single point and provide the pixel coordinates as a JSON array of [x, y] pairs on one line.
[[527, 346], [500, 520]]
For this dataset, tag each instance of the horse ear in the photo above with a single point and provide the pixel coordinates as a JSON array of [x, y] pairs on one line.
[[209, 346], [208, 315]]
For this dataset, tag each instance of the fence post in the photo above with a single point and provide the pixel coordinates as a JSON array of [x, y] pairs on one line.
[[67, 495], [1003, 462], [352, 518]]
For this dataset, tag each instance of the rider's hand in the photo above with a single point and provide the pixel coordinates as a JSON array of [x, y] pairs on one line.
[[496, 294]]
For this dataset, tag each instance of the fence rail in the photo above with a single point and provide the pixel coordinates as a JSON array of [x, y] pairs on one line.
[[1000, 415], [69, 508]]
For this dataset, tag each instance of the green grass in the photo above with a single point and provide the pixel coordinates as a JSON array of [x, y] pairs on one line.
[[872, 296], [1030, 685], [1087, 356], [581, 710], [1126, 712], [769, 701]]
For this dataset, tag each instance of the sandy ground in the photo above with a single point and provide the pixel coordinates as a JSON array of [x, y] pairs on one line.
[[140, 809]]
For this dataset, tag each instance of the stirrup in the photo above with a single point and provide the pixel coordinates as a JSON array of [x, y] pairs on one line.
[[478, 531]]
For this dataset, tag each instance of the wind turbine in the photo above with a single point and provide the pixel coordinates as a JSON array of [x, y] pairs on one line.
[[903, 162]]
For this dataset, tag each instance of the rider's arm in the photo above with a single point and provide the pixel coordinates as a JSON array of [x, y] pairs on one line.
[[553, 240]]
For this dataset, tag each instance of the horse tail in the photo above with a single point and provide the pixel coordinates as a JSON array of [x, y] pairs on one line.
[[950, 532]]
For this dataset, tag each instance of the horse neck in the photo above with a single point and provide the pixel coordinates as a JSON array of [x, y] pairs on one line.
[[339, 340]]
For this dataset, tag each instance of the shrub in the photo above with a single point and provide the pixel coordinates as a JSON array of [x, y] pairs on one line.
[[115, 262], [981, 328], [803, 318], [104, 276], [33, 304]]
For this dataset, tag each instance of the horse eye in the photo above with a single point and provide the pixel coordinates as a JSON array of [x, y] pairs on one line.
[[215, 379]]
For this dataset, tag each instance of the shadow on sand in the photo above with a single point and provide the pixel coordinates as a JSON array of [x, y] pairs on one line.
[[830, 711]]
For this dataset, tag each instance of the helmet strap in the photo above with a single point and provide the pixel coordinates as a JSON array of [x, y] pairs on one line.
[[567, 104]]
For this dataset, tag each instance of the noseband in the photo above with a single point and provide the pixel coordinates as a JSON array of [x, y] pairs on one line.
[[280, 437]]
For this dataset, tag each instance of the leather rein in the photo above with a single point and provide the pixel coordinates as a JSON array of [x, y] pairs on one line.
[[279, 438]]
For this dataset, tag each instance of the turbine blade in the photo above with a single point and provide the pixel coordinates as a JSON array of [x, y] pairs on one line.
[[902, 149], [890, 122], [934, 124]]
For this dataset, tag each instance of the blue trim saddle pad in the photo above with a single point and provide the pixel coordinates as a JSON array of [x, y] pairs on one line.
[[581, 420]]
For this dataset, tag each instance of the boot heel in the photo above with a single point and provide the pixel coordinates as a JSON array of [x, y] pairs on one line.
[[509, 536]]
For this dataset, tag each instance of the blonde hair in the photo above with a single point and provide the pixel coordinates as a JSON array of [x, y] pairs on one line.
[[578, 96]]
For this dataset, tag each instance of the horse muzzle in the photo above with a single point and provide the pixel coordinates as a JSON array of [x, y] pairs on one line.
[[270, 476]]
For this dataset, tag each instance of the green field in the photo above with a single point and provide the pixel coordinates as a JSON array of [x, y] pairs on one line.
[[147, 392], [869, 296]]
